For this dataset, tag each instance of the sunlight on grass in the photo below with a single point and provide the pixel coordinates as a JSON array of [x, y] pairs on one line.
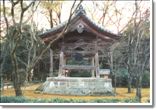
[[121, 94]]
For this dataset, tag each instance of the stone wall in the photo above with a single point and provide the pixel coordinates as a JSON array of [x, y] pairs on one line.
[[77, 86]]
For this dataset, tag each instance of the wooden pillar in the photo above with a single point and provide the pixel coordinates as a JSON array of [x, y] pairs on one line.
[[61, 63], [93, 75], [64, 63], [51, 63], [97, 65]]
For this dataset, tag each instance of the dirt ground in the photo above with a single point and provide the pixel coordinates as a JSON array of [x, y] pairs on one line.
[[121, 94]]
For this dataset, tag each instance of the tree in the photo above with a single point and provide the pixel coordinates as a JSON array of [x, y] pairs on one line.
[[13, 37], [54, 11], [135, 49], [22, 37], [125, 54]]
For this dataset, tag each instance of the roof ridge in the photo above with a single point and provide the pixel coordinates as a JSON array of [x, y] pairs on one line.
[[80, 10], [78, 13]]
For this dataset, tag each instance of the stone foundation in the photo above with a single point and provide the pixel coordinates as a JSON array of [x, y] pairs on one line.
[[76, 86]]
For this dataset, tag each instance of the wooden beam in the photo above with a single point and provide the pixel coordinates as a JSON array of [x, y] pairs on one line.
[[67, 52], [76, 67], [51, 63], [78, 44], [100, 43]]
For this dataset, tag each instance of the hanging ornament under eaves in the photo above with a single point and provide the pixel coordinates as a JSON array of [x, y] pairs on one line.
[[80, 28]]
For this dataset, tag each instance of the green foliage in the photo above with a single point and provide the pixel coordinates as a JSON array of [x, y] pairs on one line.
[[133, 100], [122, 78], [105, 100], [59, 100], [131, 54], [146, 79], [27, 46], [7, 66], [22, 76], [14, 100]]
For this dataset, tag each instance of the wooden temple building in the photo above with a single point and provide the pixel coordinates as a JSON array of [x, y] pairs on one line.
[[80, 39]]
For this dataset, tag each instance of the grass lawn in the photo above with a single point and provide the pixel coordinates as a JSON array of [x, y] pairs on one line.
[[121, 94]]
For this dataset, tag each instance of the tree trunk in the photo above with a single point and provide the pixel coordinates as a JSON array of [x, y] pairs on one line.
[[16, 77], [129, 77], [17, 88], [51, 20], [129, 84], [138, 88], [115, 85]]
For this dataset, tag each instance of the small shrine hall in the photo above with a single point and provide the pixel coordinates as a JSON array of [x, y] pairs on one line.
[[84, 41]]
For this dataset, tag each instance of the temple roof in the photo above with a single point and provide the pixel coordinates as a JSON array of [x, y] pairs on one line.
[[82, 21]]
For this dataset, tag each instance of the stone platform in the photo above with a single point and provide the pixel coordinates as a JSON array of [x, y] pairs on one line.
[[76, 86]]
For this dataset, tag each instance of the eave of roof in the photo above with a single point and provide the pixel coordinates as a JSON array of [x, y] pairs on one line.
[[83, 15]]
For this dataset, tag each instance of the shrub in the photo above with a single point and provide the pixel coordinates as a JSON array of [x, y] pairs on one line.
[[146, 79], [133, 100], [14, 100], [60, 100]]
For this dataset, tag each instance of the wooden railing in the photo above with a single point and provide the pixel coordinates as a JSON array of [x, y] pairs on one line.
[[82, 67]]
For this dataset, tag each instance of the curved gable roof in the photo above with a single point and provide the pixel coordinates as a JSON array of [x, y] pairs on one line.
[[80, 17]]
